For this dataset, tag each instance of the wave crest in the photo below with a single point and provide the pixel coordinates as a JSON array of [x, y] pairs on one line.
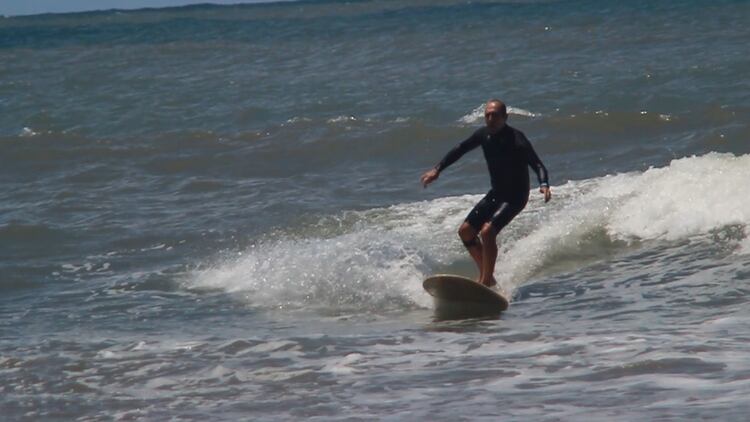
[[477, 115], [376, 259]]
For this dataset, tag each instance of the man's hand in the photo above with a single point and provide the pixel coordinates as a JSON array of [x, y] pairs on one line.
[[546, 192], [429, 176]]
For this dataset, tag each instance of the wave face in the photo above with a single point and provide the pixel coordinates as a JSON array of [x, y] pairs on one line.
[[217, 210], [376, 258]]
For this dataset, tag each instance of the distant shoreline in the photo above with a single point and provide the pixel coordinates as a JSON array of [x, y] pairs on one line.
[[24, 10]]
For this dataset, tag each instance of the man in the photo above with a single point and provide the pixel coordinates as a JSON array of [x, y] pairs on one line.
[[507, 152]]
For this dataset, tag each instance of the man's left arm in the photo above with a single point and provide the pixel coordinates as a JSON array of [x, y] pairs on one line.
[[541, 172]]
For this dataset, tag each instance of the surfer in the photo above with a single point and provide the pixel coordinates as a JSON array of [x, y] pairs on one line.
[[508, 152]]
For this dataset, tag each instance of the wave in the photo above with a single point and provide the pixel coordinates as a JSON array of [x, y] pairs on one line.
[[376, 259], [333, 138], [14, 233], [690, 197], [477, 115]]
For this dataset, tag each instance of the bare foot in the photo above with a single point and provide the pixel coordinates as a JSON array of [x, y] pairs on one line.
[[492, 282]]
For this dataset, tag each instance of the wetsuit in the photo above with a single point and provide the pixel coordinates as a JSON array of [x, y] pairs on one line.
[[507, 152]]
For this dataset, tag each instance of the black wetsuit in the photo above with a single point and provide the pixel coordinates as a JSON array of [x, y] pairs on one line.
[[507, 152]]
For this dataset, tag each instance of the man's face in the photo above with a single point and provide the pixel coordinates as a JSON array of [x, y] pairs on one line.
[[493, 117]]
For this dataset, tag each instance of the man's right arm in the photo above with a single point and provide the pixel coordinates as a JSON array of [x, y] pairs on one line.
[[451, 157], [459, 150]]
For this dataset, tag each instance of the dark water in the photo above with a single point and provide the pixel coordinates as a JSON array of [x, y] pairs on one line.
[[213, 213]]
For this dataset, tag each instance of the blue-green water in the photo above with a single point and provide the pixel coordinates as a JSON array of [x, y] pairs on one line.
[[214, 212]]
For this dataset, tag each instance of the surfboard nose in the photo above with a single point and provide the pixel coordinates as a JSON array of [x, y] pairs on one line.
[[448, 288]]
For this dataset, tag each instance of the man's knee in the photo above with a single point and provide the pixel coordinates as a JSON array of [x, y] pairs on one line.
[[488, 233], [468, 235], [466, 232]]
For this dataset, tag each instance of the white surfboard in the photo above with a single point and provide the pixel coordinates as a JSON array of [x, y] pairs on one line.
[[461, 294]]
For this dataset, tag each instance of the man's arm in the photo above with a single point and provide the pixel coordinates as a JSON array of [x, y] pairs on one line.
[[451, 157], [541, 172]]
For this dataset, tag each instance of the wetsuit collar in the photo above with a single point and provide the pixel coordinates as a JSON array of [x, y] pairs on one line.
[[499, 130]]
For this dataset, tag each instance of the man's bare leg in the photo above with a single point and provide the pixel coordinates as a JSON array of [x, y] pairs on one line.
[[469, 237], [488, 234]]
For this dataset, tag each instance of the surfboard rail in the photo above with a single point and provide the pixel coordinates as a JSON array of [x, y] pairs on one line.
[[452, 290]]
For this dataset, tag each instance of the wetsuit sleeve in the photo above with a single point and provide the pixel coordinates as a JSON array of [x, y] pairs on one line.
[[535, 163], [459, 150]]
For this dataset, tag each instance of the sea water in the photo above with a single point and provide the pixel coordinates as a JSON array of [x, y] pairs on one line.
[[214, 212]]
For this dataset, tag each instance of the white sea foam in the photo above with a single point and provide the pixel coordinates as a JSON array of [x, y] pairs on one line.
[[297, 119], [477, 115], [382, 258], [381, 261], [744, 247], [343, 366], [342, 119], [691, 196], [27, 133]]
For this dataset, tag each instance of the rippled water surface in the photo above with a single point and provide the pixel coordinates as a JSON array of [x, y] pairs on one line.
[[213, 212]]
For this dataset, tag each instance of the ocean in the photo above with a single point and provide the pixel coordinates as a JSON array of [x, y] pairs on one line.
[[214, 212]]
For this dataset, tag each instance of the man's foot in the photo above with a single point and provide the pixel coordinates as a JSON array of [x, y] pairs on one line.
[[492, 282]]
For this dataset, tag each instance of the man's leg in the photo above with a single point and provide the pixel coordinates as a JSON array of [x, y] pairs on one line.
[[470, 240], [488, 234], [503, 215], [480, 214]]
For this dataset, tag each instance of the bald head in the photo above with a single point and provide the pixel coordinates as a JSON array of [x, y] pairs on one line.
[[495, 114], [498, 103]]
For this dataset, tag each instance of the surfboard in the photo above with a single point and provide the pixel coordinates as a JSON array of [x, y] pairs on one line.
[[457, 295]]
